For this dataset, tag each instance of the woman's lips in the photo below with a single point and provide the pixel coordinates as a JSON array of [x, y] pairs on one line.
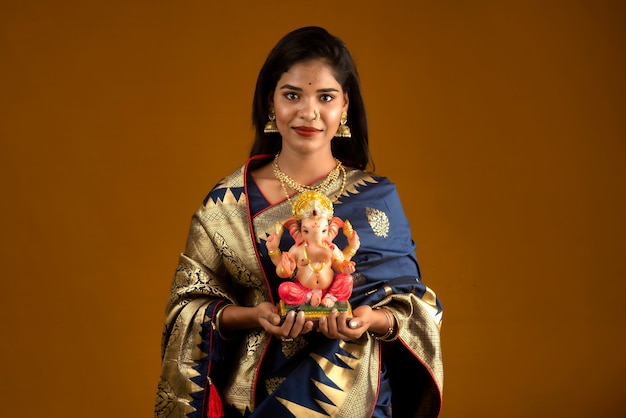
[[306, 130]]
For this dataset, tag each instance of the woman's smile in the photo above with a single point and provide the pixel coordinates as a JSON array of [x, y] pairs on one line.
[[306, 130]]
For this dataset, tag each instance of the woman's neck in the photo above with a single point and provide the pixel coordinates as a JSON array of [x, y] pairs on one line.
[[307, 168]]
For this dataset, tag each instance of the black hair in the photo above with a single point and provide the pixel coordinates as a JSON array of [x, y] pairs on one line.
[[302, 45]]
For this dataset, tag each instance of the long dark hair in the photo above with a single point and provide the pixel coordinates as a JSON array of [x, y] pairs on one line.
[[301, 45]]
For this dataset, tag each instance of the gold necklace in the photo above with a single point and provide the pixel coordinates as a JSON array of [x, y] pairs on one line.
[[316, 270], [321, 188]]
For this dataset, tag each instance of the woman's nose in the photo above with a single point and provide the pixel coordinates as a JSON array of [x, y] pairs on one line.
[[309, 112]]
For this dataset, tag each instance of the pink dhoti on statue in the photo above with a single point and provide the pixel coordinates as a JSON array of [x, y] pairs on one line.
[[293, 293]]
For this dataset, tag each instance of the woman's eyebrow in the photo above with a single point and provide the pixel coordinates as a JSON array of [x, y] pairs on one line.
[[290, 87], [325, 90]]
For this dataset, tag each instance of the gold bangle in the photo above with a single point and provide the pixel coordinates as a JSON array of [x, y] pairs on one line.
[[272, 253], [351, 250], [218, 318], [388, 336], [394, 325]]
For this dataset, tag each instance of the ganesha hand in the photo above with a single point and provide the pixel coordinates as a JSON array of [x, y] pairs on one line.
[[353, 241], [272, 243], [274, 239], [347, 228], [287, 265], [348, 267]]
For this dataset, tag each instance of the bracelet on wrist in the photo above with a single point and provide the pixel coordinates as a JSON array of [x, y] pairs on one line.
[[272, 253], [218, 318], [391, 333]]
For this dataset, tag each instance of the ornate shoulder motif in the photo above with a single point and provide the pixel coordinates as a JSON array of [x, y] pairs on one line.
[[225, 196], [356, 179], [230, 190]]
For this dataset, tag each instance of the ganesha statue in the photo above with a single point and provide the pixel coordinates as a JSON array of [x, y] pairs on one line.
[[321, 272]]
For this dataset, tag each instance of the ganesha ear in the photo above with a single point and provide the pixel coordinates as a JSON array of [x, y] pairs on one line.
[[333, 227], [294, 229], [336, 220]]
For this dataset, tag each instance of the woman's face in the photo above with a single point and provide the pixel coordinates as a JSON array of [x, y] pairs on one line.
[[308, 102]]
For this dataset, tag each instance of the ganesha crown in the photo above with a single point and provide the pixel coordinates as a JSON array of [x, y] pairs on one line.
[[312, 204]]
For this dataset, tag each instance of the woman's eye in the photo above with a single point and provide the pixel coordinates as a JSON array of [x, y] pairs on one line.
[[291, 96], [326, 98]]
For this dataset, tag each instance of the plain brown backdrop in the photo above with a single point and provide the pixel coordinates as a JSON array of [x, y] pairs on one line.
[[502, 124]]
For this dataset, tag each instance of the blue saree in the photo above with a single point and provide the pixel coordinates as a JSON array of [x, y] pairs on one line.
[[311, 376]]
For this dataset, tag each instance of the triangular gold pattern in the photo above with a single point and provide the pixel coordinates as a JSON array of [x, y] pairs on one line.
[[341, 376], [353, 184], [228, 199]]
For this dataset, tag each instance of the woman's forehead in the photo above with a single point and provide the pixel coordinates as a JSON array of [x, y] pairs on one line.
[[312, 72]]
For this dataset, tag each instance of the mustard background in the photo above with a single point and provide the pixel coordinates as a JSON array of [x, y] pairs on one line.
[[502, 124]]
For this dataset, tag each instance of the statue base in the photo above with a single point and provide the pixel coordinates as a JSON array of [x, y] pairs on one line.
[[314, 313]]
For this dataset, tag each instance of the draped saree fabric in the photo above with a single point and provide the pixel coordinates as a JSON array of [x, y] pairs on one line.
[[226, 262]]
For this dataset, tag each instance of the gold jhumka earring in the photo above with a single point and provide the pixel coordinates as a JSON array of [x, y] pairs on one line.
[[344, 130], [270, 126]]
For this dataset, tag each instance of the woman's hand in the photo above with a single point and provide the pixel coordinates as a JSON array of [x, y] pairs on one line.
[[340, 326], [294, 324]]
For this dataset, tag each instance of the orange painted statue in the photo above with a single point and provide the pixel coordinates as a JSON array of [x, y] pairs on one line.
[[322, 270]]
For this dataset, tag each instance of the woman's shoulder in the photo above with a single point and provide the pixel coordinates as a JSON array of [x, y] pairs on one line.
[[371, 190], [369, 181], [231, 185]]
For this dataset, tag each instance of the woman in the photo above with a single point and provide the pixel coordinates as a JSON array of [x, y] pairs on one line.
[[225, 348]]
